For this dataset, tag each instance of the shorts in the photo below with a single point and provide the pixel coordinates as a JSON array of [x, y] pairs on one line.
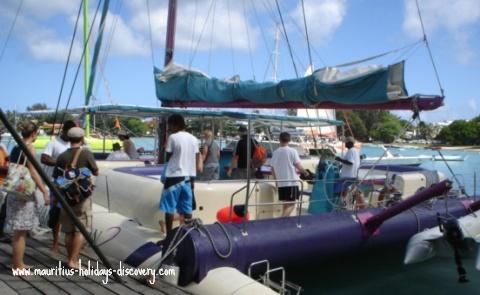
[[177, 195], [82, 211], [343, 184], [288, 193]]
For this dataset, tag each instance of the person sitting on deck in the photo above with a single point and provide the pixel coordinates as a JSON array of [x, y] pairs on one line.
[[184, 160], [128, 145], [349, 172], [117, 154], [285, 162]]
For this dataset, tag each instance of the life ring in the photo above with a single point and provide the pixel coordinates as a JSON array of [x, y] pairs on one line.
[[223, 215]]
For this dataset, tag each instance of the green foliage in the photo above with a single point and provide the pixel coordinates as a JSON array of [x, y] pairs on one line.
[[135, 126], [461, 132], [37, 107], [378, 125], [387, 131]]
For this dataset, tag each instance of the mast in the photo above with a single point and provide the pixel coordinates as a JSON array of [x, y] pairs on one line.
[[85, 63], [169, 48], [170, 38]]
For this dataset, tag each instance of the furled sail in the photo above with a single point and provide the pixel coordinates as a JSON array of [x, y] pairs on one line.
[[373, 87]]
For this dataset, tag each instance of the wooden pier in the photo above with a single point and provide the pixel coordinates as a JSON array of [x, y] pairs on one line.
[[39, 255]]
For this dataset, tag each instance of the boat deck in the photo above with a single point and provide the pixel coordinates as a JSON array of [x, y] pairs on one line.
[[38, 255]]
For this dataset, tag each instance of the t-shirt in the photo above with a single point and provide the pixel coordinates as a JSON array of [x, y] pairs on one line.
[[283, 162], [85, 159], [212, 153], [53, 149], [241, 152], [184, 148], [351, 171], [118, 156]]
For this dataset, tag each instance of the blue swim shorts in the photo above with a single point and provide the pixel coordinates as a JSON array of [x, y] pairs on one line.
[[177, 195]]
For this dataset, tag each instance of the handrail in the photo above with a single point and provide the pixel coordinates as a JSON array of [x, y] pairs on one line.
[[231, 200], [300, 201]]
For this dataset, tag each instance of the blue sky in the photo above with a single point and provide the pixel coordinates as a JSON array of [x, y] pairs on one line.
[[340, 31]]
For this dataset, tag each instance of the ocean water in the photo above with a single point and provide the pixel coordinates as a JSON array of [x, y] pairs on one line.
[[381, 271]]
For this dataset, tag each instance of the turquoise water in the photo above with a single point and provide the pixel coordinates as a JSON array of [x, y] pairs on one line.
[[381, 271]]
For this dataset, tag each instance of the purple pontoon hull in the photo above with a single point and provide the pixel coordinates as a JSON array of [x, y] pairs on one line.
[[322, 236]]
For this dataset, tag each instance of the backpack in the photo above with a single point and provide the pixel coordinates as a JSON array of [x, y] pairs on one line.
[[76, 183], [259, 156]]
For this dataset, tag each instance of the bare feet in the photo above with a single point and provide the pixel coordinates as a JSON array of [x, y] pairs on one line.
[[73, 264], [55, 248]]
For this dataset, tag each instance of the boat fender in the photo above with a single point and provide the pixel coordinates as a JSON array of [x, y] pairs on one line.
[[453, 234], [238, 215]]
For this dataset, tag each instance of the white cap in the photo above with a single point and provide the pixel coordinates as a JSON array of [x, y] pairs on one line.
[[76, 132]]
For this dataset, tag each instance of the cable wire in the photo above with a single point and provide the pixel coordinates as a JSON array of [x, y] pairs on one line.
[[429, 50], [286, 38], [9, 34], [66, 65], [80, 62]]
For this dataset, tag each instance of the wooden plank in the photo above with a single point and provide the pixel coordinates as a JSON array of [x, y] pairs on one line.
[[112, 286], [83, 282], [6, 290]]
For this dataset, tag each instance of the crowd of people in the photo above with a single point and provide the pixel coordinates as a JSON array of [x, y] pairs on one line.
[[187, 159]]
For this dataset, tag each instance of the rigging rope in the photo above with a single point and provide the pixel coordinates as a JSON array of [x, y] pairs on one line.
[[9, 34], [103, 61], [66, 65], [429, 50], [286, 38], [150, 32], [306, 34], [80, 62], [231, 37], [194, 25], [200, 36], [248, 40], [378, 55], [211, 38]]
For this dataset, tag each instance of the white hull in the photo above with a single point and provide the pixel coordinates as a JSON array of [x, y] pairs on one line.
[[138, 196]]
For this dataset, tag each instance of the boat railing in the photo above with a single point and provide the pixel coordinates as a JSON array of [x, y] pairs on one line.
[[255, 185], [284, 287]]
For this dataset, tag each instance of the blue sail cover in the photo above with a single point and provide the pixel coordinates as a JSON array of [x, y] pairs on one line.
[[374, 87]]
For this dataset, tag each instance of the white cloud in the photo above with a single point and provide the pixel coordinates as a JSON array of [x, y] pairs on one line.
[[457, 17], [192, 23], [472, 104], [323, 17]]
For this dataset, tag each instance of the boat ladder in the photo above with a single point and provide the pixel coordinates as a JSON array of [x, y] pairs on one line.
[[283, 287]]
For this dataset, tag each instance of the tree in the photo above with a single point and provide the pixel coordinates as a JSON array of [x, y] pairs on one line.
[[386, 131], [37, 107], [461, 132], [425, 130]]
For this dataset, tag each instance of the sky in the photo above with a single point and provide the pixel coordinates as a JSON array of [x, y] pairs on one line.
[[224, 38]]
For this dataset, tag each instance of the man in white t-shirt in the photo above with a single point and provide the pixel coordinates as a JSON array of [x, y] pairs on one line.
[[349, 171], [184, 160], [49, 156], [285, 162]]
